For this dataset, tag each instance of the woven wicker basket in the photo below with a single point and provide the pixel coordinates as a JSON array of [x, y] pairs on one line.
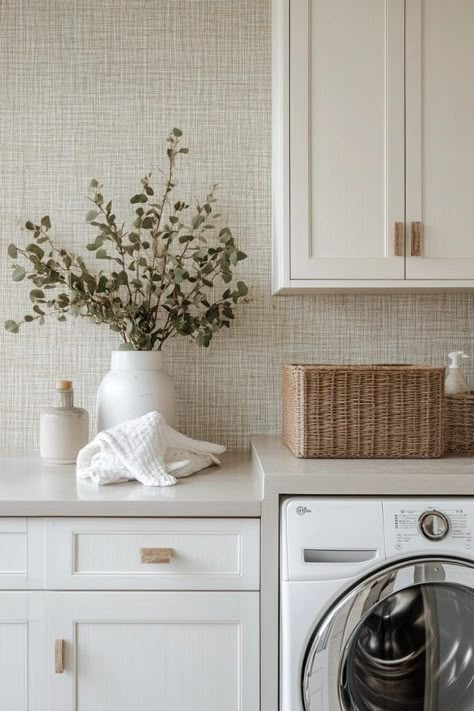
[[367, 411], [460, 424]]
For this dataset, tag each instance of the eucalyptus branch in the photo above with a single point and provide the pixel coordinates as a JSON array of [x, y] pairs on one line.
[[172, 266]]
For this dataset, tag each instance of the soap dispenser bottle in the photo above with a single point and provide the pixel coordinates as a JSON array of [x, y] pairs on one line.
[[64, 429], [455, 383]]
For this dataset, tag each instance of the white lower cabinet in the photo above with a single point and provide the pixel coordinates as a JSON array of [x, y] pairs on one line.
[[154, 651], [172, 624], [22, 652]]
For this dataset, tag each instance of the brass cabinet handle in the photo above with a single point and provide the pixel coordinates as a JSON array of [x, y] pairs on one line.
[[416, 239], [399, 239], [153, 556], [59, 646]]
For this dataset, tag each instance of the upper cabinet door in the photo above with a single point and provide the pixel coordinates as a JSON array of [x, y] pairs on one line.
[[440, 139], [346, 138]]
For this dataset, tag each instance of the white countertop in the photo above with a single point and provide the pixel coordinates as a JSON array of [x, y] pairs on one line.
[[29, 487], [283, 473]]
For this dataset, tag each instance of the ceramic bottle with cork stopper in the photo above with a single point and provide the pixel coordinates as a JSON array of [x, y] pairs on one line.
[[64, 429]]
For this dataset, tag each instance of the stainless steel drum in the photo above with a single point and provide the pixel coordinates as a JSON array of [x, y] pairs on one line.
[[402, 640]]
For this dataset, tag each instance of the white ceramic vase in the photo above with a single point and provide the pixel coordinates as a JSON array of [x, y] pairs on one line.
[[136, 384]]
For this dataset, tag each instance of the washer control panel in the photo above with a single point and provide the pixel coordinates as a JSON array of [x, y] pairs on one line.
[[417, 524]]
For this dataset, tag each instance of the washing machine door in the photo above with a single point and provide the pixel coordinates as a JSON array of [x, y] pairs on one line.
[[402, 640]]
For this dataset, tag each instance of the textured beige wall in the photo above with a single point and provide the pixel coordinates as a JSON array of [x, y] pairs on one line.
[[90, 89]]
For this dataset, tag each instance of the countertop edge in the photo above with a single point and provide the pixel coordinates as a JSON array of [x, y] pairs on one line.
[[113, 509]]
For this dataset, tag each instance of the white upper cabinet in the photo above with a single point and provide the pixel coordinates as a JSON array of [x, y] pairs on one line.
[[346, 138], [440, 137], [373, 144]]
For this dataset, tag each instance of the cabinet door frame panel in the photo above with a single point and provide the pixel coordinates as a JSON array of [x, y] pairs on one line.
[[69, 609], [455, 270], [295, 129], [28, 609]]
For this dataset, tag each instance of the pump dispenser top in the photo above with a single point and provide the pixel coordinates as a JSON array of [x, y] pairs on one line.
[[455, 383]]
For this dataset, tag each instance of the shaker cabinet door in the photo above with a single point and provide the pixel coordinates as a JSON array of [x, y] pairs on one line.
[[346, 137], [440, 139], [155, 651], [22, 652]]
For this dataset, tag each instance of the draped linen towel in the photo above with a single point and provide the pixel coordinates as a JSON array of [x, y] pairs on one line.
[[145, 449]]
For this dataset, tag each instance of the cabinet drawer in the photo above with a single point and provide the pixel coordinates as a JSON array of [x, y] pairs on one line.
[[21, 556], [152, 554]]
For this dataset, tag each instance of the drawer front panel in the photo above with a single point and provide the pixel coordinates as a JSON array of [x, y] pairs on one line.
[[152, 554], [13, 547], [21, 553]]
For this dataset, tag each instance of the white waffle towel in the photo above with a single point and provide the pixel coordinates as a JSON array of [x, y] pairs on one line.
[[145, 449]]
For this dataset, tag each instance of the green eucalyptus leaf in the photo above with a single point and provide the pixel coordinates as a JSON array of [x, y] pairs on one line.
[[141, 197], [177, 132], [168, 291], [34, 249], [12, 251], [122, 278], [46, 222], [18, 273], [12, 326], [91, 215], [197, 221]]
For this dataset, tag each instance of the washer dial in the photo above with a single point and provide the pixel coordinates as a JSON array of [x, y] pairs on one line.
[[434, 525]]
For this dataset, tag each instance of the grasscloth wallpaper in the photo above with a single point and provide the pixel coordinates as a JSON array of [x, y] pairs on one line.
[[90, 89]]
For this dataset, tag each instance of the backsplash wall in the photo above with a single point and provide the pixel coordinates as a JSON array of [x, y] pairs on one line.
[[91, 89]]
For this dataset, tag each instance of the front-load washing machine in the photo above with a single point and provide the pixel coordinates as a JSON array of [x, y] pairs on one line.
[[377, 605]]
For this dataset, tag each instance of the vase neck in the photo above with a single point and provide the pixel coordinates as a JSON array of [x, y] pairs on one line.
[[137, 360]]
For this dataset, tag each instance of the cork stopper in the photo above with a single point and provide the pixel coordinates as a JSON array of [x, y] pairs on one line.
[[64, 385]]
